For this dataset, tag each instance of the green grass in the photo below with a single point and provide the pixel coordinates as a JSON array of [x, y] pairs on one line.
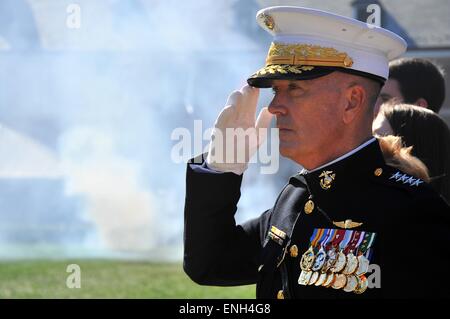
[[107, 279]]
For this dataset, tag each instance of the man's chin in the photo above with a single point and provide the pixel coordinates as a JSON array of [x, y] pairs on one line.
[[287, 152], [292, 151]]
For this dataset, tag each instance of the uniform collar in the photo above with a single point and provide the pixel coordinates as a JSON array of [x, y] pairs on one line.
[[349, 169], [340, 158]]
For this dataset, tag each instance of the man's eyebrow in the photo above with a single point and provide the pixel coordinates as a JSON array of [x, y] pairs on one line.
[[295, 85], [385, 95]]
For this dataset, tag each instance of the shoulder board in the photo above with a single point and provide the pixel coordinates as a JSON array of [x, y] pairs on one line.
[[396, 178]]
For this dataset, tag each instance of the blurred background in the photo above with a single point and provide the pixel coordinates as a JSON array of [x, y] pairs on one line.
[[90, 93]]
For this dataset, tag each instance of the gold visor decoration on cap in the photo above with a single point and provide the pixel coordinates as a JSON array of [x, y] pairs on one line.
[[283, 69], [307, 54]]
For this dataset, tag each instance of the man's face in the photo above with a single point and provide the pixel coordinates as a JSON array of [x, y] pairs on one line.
[[389, 92], [309, 116]]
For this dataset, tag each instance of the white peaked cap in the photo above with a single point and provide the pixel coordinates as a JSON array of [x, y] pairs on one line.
[[306, 42]]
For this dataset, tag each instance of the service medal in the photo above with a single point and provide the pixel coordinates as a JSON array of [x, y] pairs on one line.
[[304, 278], [319, 260], [331, 259], [307, 260], [301, 278], [321, 257], [340, 263], [330, 280], [340, 281], [323, 276], [363, 265], [352, 283], [314, 277], [362, 286], [363, 251], [352, 264]]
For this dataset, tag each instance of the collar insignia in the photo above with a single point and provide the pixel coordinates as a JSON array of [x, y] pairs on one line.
[[326, 179]]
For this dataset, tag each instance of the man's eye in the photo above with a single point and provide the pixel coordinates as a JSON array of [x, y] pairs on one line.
[[296, 90]]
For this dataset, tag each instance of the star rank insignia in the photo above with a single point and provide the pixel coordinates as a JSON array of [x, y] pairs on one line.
[[406, 179]]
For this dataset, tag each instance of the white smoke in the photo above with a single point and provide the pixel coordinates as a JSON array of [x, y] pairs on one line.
[[109, 183], [96, 107], [23, 157]]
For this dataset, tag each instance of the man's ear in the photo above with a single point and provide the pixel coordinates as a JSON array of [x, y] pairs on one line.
[[421, 102], [355, 96]]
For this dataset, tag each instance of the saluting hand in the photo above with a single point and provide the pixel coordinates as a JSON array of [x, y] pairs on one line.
[[237, 133]]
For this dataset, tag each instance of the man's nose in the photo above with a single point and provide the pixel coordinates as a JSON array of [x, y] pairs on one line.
[[278, 105]]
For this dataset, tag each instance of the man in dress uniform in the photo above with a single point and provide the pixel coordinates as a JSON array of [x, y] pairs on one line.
[[347, 225]]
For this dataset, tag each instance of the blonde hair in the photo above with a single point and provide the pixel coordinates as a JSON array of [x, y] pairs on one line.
[[429, 134], [400, 157]]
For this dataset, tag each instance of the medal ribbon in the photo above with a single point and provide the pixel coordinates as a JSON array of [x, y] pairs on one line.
[[353, 242], [348, 236], [324, 240], [365, 244], [316, 235], [330, 236], [330, 239], [340, 234], [369, 246], [361, 238], [364, 248]]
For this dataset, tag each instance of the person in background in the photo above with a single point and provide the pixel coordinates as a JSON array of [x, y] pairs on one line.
[[427, 134], [414, 81]]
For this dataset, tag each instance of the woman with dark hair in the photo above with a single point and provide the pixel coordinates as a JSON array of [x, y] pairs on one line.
[[428, 135]]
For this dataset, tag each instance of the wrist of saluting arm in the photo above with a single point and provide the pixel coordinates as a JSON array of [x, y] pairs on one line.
[[210, 168]]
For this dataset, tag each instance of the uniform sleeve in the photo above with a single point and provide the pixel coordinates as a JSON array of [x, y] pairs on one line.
[[216, 250], [203, 168]]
